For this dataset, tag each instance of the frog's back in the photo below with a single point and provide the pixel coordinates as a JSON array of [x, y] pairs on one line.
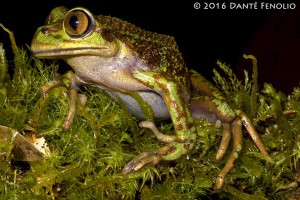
[[158, 51]]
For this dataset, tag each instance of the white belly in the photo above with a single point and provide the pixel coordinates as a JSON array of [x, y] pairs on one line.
[[154, 100]]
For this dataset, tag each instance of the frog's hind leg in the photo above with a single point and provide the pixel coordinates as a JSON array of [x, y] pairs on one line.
[[201, 85], [207, 105], [236, 131]]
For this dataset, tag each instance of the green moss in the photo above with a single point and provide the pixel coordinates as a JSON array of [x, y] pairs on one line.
[[86, 161]]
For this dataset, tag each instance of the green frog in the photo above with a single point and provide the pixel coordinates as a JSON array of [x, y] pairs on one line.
[[145, 71]]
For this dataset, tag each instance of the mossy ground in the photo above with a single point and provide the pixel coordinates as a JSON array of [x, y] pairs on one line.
[[86, 161]]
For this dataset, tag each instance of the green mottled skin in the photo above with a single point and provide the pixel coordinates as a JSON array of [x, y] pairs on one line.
[[159, 51]]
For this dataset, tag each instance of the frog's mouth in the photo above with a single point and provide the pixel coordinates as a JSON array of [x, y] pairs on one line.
[[67, 52]]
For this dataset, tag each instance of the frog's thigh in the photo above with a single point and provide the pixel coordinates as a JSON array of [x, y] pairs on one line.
[[201, 85]]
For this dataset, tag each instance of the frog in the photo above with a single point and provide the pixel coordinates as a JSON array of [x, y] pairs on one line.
[[146, 72]]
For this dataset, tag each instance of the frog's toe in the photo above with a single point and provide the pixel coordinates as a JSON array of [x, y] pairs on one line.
[[252, 132], [237, 147], [224, 142], [140, 161]]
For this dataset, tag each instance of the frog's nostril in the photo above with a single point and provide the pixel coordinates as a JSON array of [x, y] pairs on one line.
[[45, 30]]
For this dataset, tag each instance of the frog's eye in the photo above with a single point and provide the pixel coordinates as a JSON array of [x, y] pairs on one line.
[[78, 22]]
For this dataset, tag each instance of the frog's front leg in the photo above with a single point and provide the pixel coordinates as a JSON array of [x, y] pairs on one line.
[[179, 144], [69, 81]]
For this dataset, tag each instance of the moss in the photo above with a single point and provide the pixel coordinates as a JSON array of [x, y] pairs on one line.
[[86, 161]]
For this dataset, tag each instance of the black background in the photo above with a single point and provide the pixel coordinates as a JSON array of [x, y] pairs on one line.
[[203, 36]]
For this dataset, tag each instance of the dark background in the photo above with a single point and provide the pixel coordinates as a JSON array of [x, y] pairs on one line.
[[203, 36]]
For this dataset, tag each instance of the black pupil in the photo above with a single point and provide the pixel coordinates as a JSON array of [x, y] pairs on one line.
[[74, 22]]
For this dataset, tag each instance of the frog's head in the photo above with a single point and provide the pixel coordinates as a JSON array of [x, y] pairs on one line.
[[71, 33]]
